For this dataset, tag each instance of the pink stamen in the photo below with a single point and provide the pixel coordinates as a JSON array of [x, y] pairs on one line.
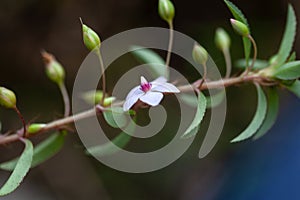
[[145, 87]]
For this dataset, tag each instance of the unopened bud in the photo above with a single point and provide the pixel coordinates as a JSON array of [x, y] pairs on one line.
[[34, 128], [199, 54], [222, 39], [166, 10], [54, 69], [7, 98], [90, 37], [240, 27]]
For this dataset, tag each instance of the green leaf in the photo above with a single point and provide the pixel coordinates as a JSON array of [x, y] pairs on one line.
[[212, 101], [215, 99], [288, 38], [115, 117], [115, 145], [189, 99], [288, 71], [147, 56], [258, 117], [238, 15], [259, 64], [272, 113], [20, 171], [295, 88], [42, 152], [236, 12], [292, 57], [193, 128]]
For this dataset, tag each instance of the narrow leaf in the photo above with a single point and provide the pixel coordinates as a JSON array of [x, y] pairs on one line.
[[258, 117], [215, 100], [115, 117], [288, 71], [272, 112], [259, 64], [189, 99], [147, 56], [20, 171], [292, 57], [198, 117], [42, 152], [288, 37], [115, 145], [295, 88], [236, 12], [238, 15]]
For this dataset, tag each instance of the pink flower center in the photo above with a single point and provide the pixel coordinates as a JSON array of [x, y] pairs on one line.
[[145, 87]]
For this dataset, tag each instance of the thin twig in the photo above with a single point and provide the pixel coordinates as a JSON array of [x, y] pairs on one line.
[[22, 120], [227, 57], [103, 75], [64, 93], [170, 45]]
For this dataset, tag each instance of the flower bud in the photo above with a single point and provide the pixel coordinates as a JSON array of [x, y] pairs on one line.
[[166, 10], [199, 54], [108, 101], [34, 128], [54, 69], [90, 37], [240, 27], [7, 98], [222, 39]]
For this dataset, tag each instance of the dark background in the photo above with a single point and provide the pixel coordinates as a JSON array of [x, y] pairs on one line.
[[264, 169]]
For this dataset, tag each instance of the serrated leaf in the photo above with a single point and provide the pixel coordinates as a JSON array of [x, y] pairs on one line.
[[115, 145], [259, 64], [42, 152], [147, 56], [295, 88], [20, 171], [238, 15], [115, 117], [288, 38], [272, 113], [258, 117], [201, 108], [215, 99], [189, 99], [288, 71]]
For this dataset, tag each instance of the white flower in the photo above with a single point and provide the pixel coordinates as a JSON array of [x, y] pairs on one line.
[[150, 93]]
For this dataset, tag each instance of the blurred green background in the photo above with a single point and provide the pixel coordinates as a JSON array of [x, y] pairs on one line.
[[231, 171]]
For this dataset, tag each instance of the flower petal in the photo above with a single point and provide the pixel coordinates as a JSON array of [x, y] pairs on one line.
[[160, 79], [134, 91], [132, 97], [152, 98], [165, 87]]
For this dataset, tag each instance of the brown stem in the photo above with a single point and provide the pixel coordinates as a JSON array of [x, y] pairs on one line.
[[57, 124], [23, 122]]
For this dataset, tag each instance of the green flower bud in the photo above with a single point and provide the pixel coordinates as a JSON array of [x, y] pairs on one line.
[[108, 101], [222, 39], [7, 98], [54, 69], [166, 10], [34, 128], [199, 54], [92, 97], [240, 27], [90, 37]]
